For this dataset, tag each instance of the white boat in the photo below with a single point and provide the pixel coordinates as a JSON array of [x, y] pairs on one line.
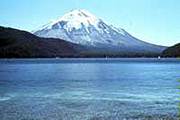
[[159, 57]]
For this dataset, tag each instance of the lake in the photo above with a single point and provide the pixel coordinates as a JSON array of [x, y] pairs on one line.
[[89, 89]]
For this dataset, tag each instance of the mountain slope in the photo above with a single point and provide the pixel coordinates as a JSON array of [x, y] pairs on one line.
[[16, 43], [81, 27], [173, 51]]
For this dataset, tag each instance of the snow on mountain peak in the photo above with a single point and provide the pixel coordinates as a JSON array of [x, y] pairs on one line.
[[82, 27], [82, 16], [75, 19]]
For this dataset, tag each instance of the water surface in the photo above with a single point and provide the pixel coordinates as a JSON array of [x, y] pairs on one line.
[[89, 89]]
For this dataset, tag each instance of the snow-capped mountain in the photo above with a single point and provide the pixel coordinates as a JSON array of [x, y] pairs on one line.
[[82, 27]]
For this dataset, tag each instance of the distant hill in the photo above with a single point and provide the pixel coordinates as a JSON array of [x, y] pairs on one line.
[[173, 51], [19, 44]]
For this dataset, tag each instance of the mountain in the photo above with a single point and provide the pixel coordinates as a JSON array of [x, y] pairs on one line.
[[173, 51], [19, 44], [82, 27]]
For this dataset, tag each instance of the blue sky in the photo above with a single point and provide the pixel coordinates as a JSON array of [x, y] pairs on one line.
[[155, 21]]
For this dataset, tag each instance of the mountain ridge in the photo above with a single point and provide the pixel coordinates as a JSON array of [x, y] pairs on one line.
[[16, 43], [82, 27]]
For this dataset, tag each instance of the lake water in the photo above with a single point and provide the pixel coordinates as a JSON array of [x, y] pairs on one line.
[[89, 89]]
